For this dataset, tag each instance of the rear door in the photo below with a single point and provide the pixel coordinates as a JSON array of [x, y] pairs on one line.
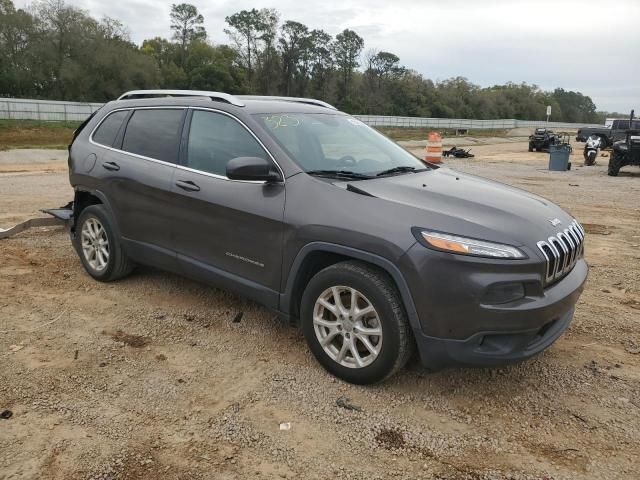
[[227, 230], [139, 171]]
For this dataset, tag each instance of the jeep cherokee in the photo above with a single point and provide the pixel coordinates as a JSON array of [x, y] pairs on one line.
[[313, 214]]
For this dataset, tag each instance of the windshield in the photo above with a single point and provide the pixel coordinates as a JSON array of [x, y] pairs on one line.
[[325, 142]]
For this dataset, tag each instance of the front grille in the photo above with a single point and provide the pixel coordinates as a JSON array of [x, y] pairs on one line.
[[562, 251]]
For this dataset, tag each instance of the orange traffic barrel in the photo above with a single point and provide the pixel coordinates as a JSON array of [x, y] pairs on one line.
[[433, 151]]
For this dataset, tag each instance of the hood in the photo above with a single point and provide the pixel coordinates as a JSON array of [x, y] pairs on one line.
[[464, 204]]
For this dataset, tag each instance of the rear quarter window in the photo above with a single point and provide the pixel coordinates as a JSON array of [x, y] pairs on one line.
[[154, 133], [108, 129]]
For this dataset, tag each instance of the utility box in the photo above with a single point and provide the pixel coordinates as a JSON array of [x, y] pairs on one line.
[[559, 157]]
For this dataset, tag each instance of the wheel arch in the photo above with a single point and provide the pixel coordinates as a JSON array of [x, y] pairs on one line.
[[85, 197], [315, 256]]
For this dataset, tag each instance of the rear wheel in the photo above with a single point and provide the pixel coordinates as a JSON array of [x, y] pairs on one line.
[[355, 324], [98, 246], [530, 147]]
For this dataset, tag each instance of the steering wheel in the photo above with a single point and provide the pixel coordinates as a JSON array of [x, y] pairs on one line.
[[347, 161]]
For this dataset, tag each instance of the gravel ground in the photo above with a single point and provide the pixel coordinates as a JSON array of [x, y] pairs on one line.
[[157, 377]]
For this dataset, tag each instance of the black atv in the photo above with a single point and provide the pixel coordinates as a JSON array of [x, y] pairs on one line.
[[541, 139], [625, 152]]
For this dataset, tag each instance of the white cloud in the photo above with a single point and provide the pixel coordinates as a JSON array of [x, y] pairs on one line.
[[584, 45]]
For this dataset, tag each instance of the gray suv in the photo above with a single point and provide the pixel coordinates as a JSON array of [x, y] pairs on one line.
[[313, 214]]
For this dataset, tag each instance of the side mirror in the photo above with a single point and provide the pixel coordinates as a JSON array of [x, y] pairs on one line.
[[252, 169]]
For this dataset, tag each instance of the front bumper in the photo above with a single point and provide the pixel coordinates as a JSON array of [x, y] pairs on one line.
[[458, 330], [491, 349]]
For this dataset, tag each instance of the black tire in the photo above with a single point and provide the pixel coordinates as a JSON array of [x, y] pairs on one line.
[[530, 147], [397, 341], [590, 158], [117, 265], [615, 164]]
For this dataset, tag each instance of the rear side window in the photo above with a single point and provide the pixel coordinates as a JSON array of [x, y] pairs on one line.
[[108, 129], [214, 139], [154, 133]]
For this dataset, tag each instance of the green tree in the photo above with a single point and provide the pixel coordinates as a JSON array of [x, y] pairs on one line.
[[186, 24], [293, 40], [246, 28], [346, 50]]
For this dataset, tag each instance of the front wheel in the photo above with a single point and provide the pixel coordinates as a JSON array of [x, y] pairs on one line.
[[615, 163], [355, 324]]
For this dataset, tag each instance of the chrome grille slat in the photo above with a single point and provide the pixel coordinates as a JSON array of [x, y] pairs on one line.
[[562, 251]]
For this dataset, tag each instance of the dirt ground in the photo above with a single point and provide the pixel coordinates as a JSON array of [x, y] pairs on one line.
[[158, 377]]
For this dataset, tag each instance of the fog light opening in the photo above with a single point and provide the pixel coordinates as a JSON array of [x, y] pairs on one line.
[[503, 293]]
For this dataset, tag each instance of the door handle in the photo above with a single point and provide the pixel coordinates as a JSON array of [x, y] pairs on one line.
[[113, 166], [188, 185]]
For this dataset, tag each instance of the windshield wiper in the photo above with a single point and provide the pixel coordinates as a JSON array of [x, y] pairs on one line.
[[339, 173], [401, 169]]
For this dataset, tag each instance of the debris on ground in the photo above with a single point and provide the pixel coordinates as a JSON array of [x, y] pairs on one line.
[[458, 153], [345, 403], [238, 317]]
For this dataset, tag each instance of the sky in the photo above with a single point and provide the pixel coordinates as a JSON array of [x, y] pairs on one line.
[[587, 45]]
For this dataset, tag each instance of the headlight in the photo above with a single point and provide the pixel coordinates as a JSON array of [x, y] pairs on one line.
[[469, 246]]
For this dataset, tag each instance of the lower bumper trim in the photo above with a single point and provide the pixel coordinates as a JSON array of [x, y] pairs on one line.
[[491, 349]]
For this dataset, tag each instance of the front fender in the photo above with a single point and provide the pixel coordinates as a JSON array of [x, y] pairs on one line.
[[287, 298]]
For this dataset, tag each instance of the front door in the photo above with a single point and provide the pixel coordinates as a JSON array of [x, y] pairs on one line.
[[229, 232]]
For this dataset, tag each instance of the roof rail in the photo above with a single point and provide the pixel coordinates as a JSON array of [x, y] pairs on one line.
[[310, 101], [225, 97]]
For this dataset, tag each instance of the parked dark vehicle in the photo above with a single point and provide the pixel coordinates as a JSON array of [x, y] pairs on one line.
[[541, 139], [312, 213], [608, 135], [625, 152]]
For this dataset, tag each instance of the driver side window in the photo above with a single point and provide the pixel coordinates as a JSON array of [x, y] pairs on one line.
[[214, 139]]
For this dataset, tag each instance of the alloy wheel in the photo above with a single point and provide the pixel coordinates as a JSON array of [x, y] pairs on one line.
[[95, 244], [347, 326]]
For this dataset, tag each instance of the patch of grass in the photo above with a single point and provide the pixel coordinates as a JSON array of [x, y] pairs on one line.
[[35, 134]]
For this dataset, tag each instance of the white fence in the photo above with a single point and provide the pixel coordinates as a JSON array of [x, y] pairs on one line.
[[462, 123], [22, 109]]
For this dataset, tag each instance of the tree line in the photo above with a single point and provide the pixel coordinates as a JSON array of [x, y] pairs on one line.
[[52, 50]]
